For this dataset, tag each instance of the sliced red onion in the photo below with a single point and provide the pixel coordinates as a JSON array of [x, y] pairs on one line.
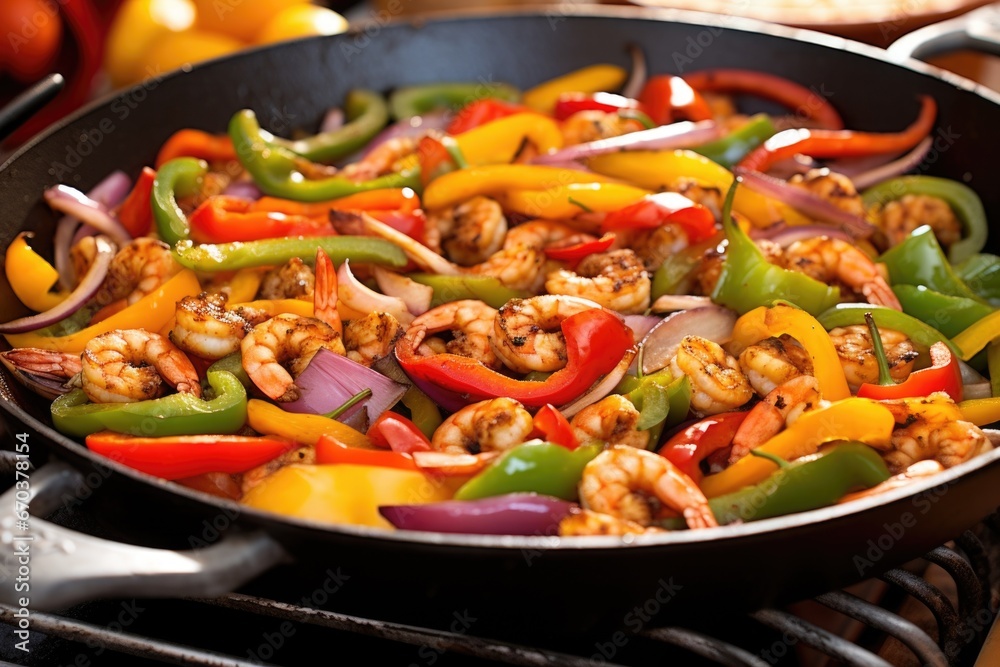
[[416, 296], [641, 324], [412, 127], [712, 322], [805, 201], [73, 202], [785, 235], [78, 297], [420, 254], [356, 295], [332, 120], [637, 78], [331, 379], [892, 169], [669, 303], [601, 388], [974, 385], [112, 190], [666, 137], [511, 514], [244, 190]]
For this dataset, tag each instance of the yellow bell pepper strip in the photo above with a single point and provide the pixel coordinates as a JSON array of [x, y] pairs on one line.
[[31, 277], [850, 419], [244, 285], [981, 411], [762, 323], [499, 141], [993, 364], [345, 493], [458, 186], [592, 79], [566, 201], [269, 419], [151, 312], [978, 336], [659, 170]]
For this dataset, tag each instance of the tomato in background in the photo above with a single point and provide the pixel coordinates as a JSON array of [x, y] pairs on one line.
[[301, 21], [30, 38]]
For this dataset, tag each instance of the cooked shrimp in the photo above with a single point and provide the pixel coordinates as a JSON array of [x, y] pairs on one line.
[[918, 470], [128, 365], [204, 327], [493, 425], [615, 279], [253, 477], [709, 197], [781, 406], [468, 233], [292, 280], [833, 187], [857, 354], [47, 363], [653, 246], [591, 125], [828, 260], [900, 217], [717, 384], [581, 522], [526, 334], [283, 340], [520, 263], [470, 323], [371, 338], [613, 420], [325, 292], [637, 485], [774, 361], [931, 428], [137, 270]]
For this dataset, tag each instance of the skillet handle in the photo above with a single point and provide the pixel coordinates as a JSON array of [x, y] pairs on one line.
[[978, 30], [65, 567]]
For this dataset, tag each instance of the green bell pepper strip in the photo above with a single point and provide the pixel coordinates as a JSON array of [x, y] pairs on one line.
[[982, 274], [919, 260], [662, 401], [673, 275], [948, 314], [423, 411], [807, 483], [233, 363], [847, 314], [733, 147], [366, 112], [993, 363], [416, 100], [535, 466], [176, 177], [176, 414], [748, 280], [273, 252], [275, 169], [961, 198], [455, 288]]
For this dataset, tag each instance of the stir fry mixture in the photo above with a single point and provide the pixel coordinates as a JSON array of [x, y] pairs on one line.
[[609, 304]]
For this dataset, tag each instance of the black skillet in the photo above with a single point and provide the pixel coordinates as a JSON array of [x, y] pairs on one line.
[[512, 585]]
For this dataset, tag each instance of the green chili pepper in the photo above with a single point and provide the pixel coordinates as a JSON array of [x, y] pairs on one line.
[[847, 314], [233, 363], [416, 100], [919, 261], [807, 483], [733, 147], [275, 169], [454, 288], [274, 252], [982, 274], [176, 177], [961, 198], [948, 314], [366, 112], [177, 414], [536, 466], [748, 280], [662, 401], [423, 411]]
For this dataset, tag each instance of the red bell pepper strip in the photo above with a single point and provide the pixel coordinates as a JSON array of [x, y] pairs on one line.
[[665, 97], [596, 340], [944, 375], [840, 143], [396, 432], [552, 425], [179, 456], [577, 251], [571, 103], [224, 219], [661, 209], [435, 158], [195, 143], [801, 100], [383, 199], [136, 213], [329, 450], [690, 447], [480, 112]]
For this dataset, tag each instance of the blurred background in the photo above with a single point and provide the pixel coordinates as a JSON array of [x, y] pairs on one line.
[[102, 45]]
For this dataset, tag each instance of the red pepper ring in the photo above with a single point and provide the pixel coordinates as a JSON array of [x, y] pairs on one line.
[[577, 251], [690, 447], [224, 219], [666, 96], [571, 103], [664, 208], [552, 425], [943, 374], [596, 340]]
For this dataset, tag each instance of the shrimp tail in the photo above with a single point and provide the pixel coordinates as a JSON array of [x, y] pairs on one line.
[[325, 292]]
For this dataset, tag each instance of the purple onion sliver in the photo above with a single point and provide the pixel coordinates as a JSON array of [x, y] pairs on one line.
[[73, 202], [112, 191], [666, 137], [333, 120], [896, 167], [641, 324], [512, 514], [415, 126], [785, 235], [712, 322], [61, 244], [243, 190]]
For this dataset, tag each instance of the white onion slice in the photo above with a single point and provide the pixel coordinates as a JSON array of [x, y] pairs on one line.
[[712, 322], [666, 137], [420, 254], [357, 296], [416, 296], [601, 388]]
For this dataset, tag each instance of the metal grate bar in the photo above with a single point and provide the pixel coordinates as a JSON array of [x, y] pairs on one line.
[[477, 647], [975, 551], [970, 593], [706, 646], [818, 638], [911, 635], [143, 647], [939, 605]]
